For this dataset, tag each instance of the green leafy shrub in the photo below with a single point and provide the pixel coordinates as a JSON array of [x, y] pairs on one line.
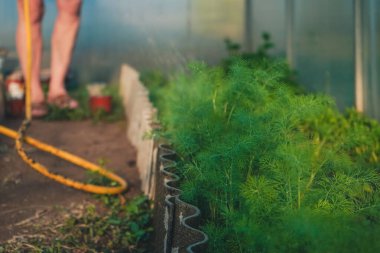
[[272, 169]]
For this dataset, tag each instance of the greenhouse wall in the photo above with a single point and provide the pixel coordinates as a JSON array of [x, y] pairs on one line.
[[148, 34], [332, 45], [324, 47], [269, 17], [332, 49]]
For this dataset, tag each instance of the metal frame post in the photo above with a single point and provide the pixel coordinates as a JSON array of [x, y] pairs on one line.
[[289, 22], [248, 25], [373, 28], [359, 81]]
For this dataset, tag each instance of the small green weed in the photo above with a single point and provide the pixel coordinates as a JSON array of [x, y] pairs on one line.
[[117, 228], [123, 228]]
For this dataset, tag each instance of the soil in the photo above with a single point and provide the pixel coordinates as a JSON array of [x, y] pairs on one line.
[[29, 200]]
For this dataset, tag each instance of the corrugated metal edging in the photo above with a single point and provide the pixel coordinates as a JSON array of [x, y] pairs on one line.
[[175, 221]]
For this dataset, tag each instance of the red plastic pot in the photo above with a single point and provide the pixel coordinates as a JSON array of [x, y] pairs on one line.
[[101, 103]]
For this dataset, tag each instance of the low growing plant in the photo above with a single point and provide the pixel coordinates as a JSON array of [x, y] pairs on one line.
[[84, 112]]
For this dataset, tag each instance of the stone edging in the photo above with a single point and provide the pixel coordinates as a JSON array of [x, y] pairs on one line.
[[175, 221]]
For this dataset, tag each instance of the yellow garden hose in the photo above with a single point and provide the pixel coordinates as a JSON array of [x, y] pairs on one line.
[[21, 137]]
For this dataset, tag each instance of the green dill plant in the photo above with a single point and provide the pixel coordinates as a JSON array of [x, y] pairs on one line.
[[272, 168]]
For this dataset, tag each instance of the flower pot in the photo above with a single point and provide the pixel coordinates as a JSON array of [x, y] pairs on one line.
[[98, 103], [14, 88], [15, 107]]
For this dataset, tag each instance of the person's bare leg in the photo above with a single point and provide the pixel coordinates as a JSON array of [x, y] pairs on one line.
[[36, 15], [63, 40]]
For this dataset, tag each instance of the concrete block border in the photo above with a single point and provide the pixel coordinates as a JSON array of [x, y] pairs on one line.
[[175, 221]]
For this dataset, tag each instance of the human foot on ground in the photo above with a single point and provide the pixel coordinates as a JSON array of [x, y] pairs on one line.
[[62, 100], [38, 103]]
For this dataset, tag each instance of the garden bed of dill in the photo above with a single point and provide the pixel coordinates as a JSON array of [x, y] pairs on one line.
[[272, 169]]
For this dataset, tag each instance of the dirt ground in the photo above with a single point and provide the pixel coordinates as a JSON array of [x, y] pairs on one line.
[[29, 200]]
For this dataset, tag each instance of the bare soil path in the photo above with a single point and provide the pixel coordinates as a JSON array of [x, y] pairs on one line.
[[29, 200]]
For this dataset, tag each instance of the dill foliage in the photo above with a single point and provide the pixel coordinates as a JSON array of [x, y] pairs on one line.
[[273, 170]]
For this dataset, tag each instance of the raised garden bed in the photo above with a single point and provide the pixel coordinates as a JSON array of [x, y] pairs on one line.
[[272, 169]]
